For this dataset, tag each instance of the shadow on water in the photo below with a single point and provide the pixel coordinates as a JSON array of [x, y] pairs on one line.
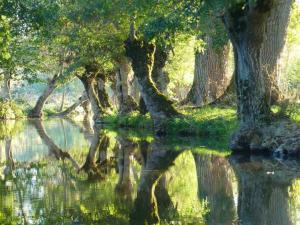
[[65, 172]]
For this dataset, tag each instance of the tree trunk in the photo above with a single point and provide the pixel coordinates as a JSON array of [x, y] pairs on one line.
[[101, 91], [90, 85], [273, 46], [126, 102], [159, 76], [159, 107], [6, 88], [36, 112], [70, 109], [210, 74], [246, 30]]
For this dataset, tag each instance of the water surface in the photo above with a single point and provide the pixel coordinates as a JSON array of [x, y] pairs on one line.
[[64, 172]]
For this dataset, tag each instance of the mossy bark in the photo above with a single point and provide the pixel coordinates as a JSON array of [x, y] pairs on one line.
[[37, 111], [159, 107]]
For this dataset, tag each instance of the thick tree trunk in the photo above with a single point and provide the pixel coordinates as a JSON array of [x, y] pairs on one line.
[[70, 109], [210, 75], [126, 102], [273, 46], [246, 29], [159, 107], [37, 111]]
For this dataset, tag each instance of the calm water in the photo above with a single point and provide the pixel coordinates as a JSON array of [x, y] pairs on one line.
[[61, 172]]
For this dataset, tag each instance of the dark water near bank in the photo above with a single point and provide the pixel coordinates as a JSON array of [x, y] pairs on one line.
[[61, 172]]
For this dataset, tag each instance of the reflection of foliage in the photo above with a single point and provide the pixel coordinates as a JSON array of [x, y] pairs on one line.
[[185, 196], [10, 128], [294, 194]]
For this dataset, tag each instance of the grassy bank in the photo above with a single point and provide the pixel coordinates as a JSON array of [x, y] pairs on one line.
[[207, 121]]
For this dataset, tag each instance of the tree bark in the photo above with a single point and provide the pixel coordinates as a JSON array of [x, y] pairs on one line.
[[36, 112], [90, 85], [101, 91], [159, 107], [7, 87], [273, 46], [126, 102], [246, 29], [210, 74], [159, 76]]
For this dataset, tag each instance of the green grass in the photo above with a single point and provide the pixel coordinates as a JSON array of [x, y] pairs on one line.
[[207, 121]]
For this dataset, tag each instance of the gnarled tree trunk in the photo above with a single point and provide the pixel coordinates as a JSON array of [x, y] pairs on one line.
[[37, 111], [159, 107], [210, 74], [90, 85], [126, 102]]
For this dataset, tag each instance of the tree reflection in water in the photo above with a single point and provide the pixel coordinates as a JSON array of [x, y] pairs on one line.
[[116, 180]]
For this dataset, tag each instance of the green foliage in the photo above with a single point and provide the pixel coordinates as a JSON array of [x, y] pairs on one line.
[[10, 110], [5, 39]]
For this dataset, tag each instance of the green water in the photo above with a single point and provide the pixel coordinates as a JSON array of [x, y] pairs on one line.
[[61, 172]]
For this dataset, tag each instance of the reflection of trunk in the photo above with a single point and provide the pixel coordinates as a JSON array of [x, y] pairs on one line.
[[166, 208], [126, 102], [99, 143], [36, 112], [10, 165], [215, 178], [159, 107], [53, 148], [210, 75], [124, 186], [247, 28], [263, 199], [145, 207], [70, 109]]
